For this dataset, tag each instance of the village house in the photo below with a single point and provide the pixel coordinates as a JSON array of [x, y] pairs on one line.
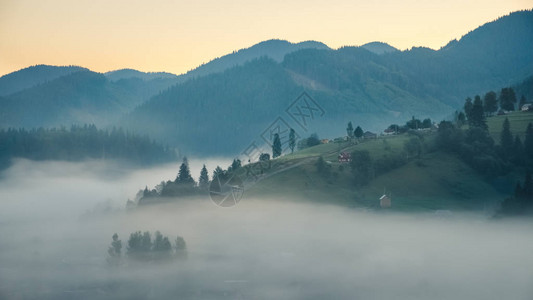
[[370, 135], [345, 157], [385, 201]]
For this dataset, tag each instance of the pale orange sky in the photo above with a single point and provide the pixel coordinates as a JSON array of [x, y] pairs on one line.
[[176, 36]]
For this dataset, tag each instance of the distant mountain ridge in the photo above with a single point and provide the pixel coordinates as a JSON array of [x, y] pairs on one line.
[[29, 97], [82, 97], [274, 49], [379, 48], [130, 73], [31, 76]]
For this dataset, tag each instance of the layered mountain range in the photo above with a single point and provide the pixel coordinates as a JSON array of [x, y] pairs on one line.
[[226, 104]]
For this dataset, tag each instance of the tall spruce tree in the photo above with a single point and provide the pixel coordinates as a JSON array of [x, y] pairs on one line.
[[292, 140], [218, 172], [349, 130], [276, 146], [477, 116], [490, 103], [184, 174], [506, 139], [468, 109], [461, 119], [203, 181], [507, 99], [528, 141], [518, 156], [235, 165], [358, 132]]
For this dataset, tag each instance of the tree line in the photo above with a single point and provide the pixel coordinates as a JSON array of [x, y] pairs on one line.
[[142, 247], [78, 143], [476, 110], [184, 185]]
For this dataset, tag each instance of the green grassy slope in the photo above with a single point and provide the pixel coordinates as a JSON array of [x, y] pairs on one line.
[[518, 121], [434, 181]]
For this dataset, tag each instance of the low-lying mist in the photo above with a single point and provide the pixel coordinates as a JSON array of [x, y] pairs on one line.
[[57, 219]]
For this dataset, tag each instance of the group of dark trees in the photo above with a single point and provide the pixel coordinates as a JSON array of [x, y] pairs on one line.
[[478, 149], [184, 185], [476, 110], [276, 145], [413, 124], [310, 141], [354, 133], [521, 203], [142, 247], [80, 142]]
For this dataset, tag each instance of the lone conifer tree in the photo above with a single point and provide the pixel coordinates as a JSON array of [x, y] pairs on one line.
[[116, 246], [349, 130], [506, 139], [490, 103], [528, 141], [184, 174], [507, 99], [468, 109], [218, 172], [477, 116], [518, 151], [358, 132], [276, 146], [292, 140], [203, 181]]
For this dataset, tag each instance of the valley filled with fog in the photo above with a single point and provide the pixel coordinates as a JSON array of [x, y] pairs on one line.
[[57, 220]]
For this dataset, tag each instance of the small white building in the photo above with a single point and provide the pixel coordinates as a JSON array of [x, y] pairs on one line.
[[527, 107]]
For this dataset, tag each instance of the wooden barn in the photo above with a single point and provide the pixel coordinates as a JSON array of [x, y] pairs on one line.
[[385, 201]]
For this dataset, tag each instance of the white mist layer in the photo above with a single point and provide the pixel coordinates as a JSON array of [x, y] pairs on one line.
[[55, 235]]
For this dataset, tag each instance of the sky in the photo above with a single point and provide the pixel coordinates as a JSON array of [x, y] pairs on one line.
[[176, 36]]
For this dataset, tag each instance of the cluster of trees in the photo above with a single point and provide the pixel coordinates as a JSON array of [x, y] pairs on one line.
[[80, 142], [475, 111], [354, 133], [276, 144], [310, 141], [184, 185], [512, 149], [477, 148], [412, 124], [141, 246], [521, 203]]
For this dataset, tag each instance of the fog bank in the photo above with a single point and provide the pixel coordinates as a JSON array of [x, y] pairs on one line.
[[57, 220]]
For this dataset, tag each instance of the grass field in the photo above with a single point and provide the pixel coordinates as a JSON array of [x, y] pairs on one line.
[[518, 121], [434, 181]]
